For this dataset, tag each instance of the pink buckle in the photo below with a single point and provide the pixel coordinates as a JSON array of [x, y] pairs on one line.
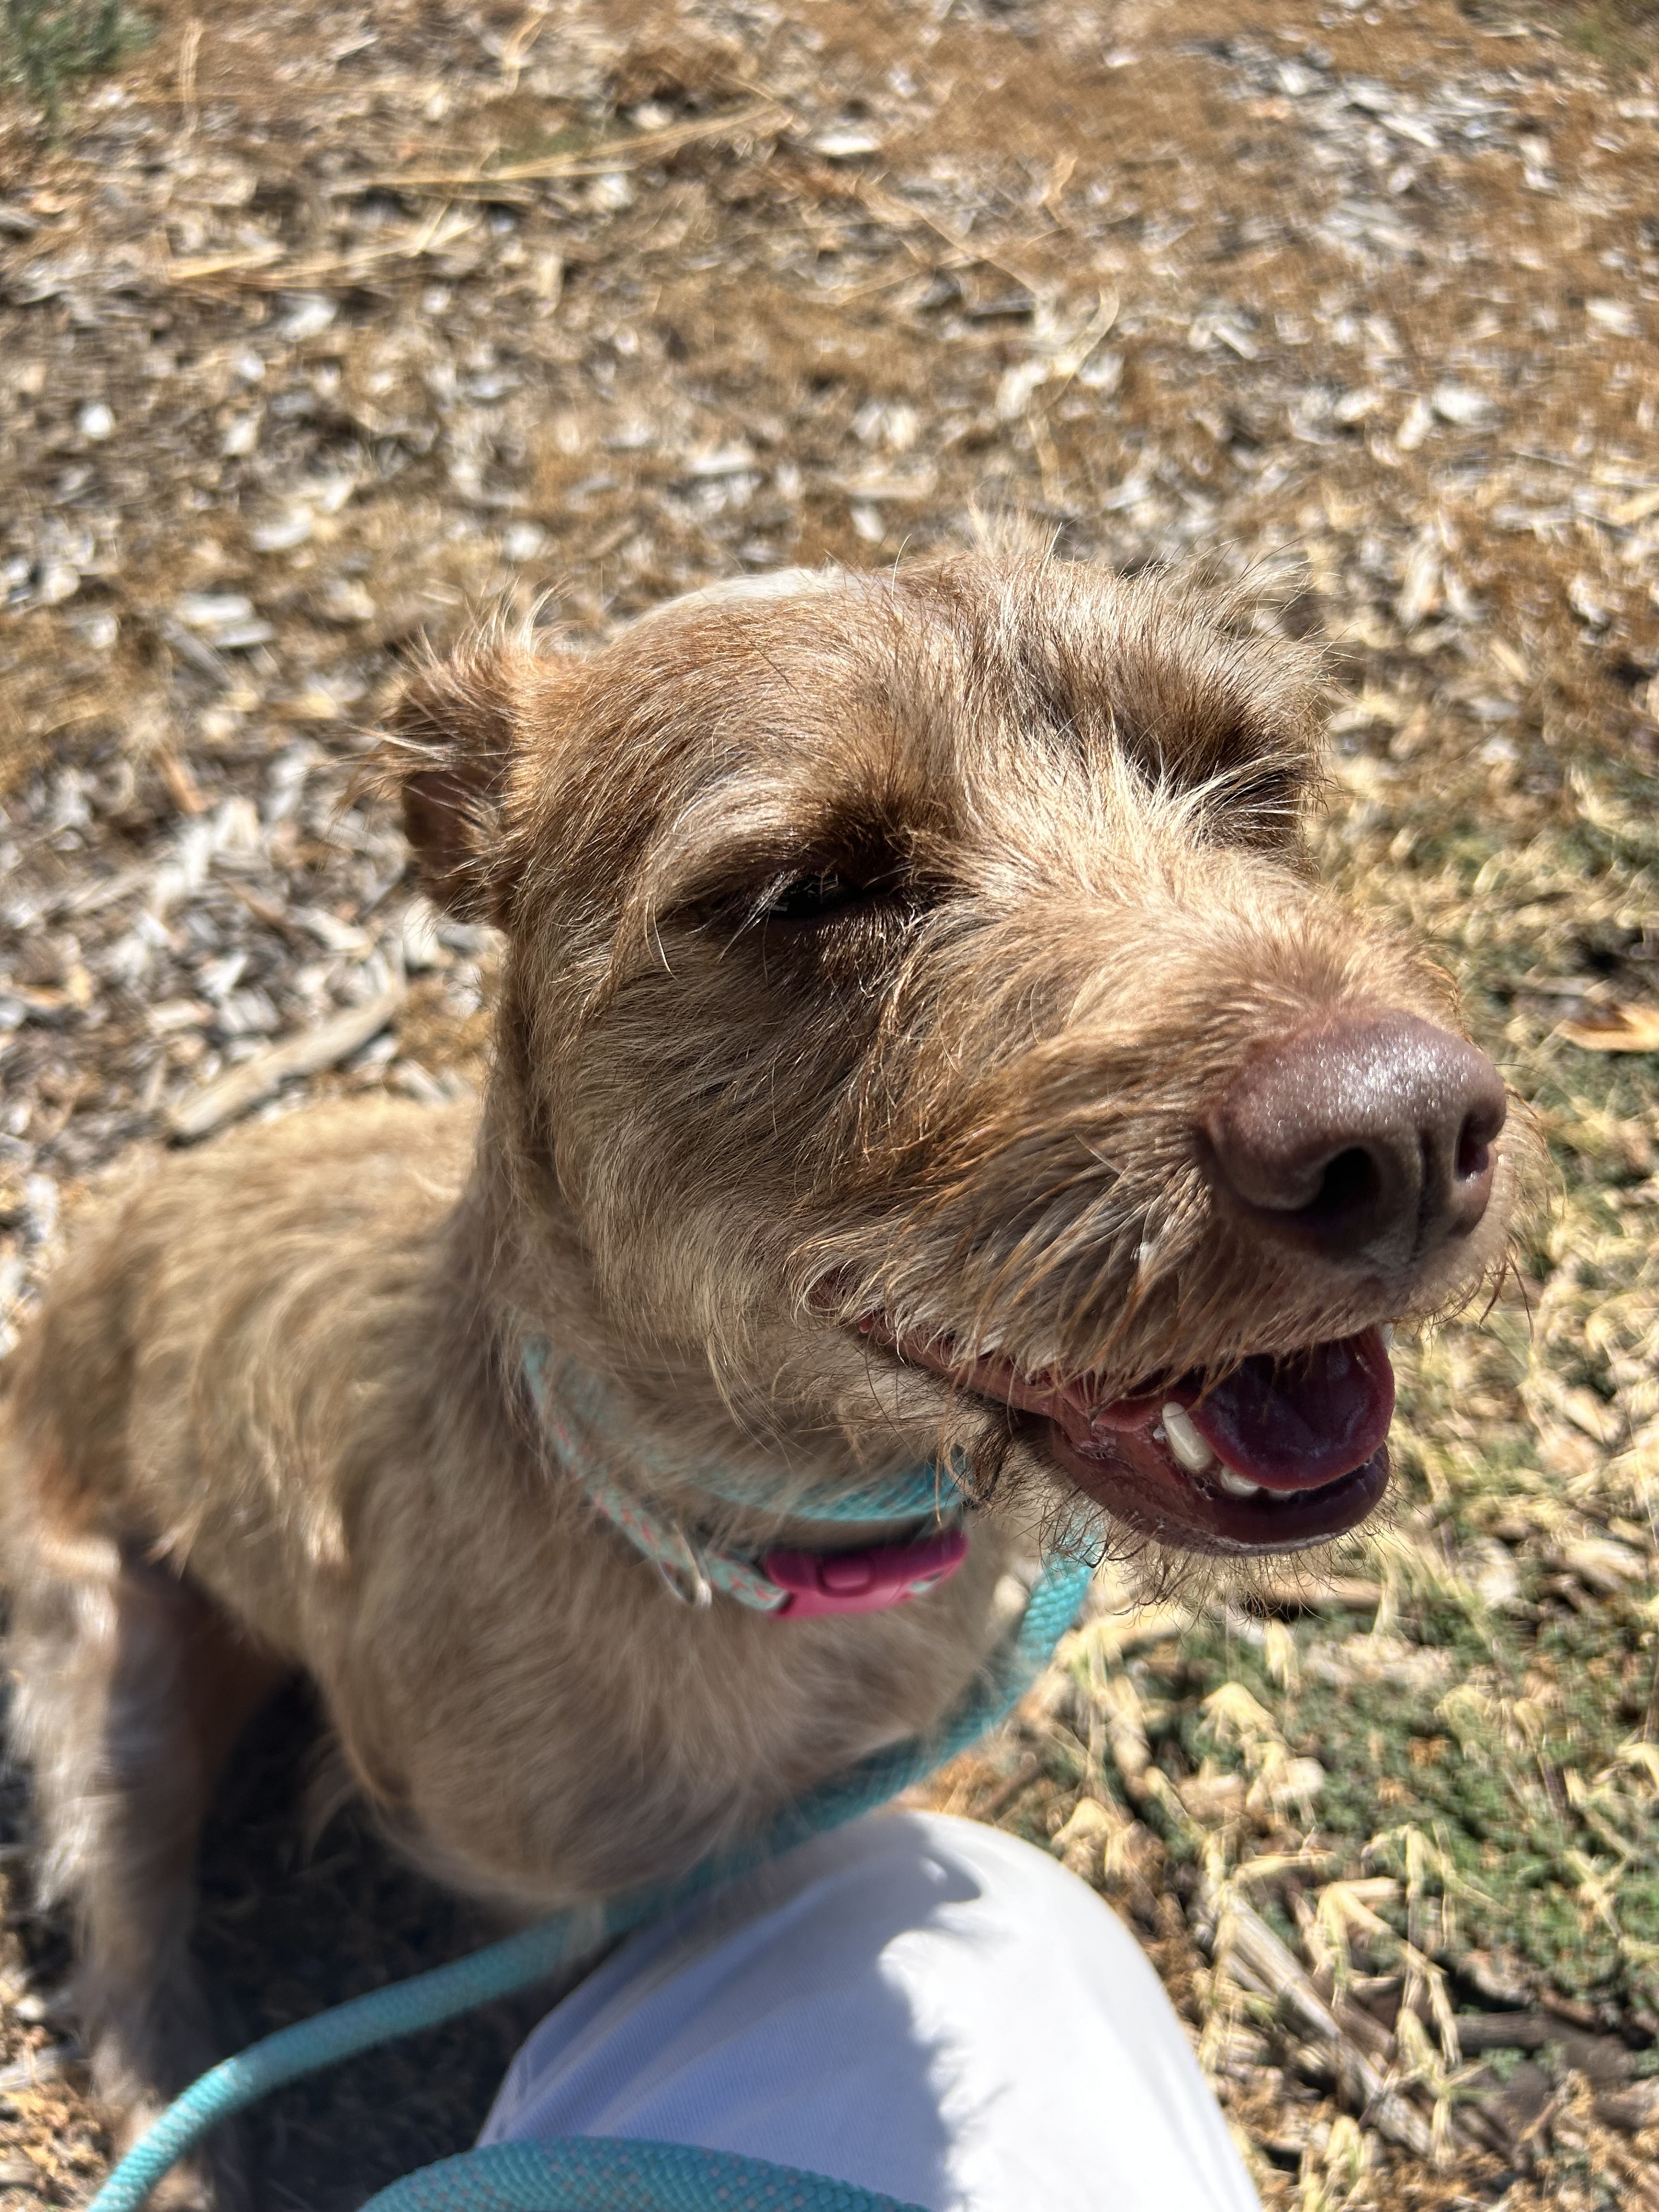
[[865, 1581]]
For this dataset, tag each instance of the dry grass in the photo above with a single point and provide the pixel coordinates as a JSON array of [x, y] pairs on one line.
[[45, 45], [323, 324]]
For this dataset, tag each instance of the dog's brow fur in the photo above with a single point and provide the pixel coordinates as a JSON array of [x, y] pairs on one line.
[[874, 944]]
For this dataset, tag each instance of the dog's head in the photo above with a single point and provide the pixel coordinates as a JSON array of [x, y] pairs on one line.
[[919, 1011]]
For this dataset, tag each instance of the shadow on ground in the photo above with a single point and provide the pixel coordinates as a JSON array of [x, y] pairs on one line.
[[291, 1924]]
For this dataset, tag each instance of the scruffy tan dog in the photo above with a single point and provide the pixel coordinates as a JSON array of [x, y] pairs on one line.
[[919, 1040]]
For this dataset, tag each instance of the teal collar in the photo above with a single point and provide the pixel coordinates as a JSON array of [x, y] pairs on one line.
[[789, 1584]]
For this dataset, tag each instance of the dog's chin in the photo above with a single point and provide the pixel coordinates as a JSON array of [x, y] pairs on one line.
[[1283, 1455]]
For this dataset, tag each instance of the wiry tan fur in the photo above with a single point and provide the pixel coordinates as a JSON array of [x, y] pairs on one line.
[[271, 1416]]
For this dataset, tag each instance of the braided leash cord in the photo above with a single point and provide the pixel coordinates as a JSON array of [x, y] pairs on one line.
[[426, 1999]]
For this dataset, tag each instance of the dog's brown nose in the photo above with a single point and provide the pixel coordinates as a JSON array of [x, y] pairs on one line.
[[1366, 1139]]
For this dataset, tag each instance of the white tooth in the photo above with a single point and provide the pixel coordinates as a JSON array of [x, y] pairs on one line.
[[1188, 1447], [1234, 1484], [1387, 1334]]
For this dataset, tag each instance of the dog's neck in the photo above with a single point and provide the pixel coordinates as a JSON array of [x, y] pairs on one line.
[[791, 1581], [660, 1427], [720, 1518], [521, 1266]]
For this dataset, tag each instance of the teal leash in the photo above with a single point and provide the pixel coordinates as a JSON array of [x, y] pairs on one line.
[[499, 1969]]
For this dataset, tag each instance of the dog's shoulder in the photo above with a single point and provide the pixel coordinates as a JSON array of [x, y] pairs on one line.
[[156, 1264]]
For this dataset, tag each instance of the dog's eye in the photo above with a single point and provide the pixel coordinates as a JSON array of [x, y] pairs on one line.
[[1266, 801], [1268, 791], [819, 897]]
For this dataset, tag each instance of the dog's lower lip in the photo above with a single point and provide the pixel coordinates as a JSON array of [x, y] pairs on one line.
[[1278, 1456], [1130, 1474]]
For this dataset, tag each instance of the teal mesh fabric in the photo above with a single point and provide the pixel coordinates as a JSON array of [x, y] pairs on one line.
[[607, 2173]]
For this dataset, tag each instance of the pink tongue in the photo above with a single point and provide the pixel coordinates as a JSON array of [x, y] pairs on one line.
[[1299, 1423]]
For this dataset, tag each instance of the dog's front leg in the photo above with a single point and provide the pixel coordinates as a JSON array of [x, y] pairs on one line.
[[132, 1687]]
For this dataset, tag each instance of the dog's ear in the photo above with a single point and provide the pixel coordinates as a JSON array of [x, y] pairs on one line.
[[448, 748]]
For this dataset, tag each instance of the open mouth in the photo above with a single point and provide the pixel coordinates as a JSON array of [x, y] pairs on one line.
[[1282, 1453]]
